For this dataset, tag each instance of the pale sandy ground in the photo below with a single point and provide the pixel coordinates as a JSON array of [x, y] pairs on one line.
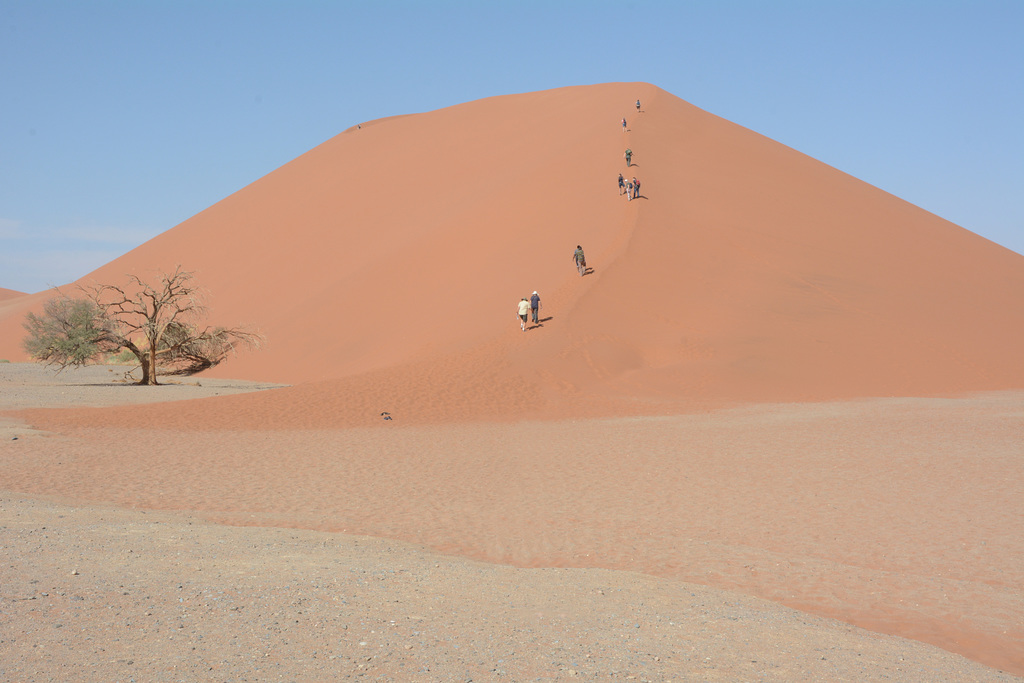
[[902, 515]]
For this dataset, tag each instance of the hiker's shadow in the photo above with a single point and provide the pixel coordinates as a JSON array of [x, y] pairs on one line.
[[588, 271], [540, 322]]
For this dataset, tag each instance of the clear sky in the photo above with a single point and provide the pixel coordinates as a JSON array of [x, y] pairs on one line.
[[121, 119]]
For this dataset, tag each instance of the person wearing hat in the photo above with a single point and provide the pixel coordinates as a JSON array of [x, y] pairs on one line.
[[524, 312], [535, 308]]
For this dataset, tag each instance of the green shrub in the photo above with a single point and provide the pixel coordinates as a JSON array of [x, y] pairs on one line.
[[125, 357]]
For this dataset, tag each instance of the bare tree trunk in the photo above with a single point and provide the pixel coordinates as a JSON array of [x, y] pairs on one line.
[[149, 367], [146, 360], [144, 363]]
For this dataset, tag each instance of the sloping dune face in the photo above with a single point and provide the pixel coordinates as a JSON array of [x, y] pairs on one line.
[[9, 294], [390, 259], [755, 272]]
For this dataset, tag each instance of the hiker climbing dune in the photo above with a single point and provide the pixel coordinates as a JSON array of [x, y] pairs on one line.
[[523, 311], [580, 259], [535, 307]]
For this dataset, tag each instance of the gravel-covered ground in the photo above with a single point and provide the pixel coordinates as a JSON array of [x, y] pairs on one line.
[[94, 594], [31, 385]]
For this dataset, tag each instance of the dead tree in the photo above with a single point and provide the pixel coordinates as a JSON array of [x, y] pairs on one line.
[[158, 324]]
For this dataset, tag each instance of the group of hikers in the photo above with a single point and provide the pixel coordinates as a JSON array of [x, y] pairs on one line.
[[631, 188], [530, 306]]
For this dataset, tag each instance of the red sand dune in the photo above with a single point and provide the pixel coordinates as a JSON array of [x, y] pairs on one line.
[[12, 316], [392, 256], [9, 294], [385, 265]]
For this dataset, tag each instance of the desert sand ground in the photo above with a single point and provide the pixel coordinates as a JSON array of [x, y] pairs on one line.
[[642, 548]]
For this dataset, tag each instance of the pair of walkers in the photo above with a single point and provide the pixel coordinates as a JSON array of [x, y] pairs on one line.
[[624, 129], [526, 308]]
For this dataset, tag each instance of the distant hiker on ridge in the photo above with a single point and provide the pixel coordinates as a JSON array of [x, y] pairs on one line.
[[535, 308], [629, 157], [524, 312], [622, 185], [638, 106], [636, 188], [623, 125], [580, 259], [629, 190]]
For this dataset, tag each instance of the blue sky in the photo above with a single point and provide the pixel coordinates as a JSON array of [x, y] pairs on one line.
[[119, 120]]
